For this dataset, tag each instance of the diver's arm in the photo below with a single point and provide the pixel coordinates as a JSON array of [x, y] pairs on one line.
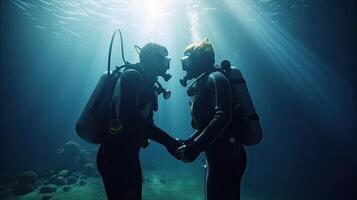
[[191, 138], [131, 83], [221, 90], [131, 116], [160, 136], [194, 135]]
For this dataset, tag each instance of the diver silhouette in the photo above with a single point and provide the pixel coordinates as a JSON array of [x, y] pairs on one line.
[[219, 107], [134, 95]]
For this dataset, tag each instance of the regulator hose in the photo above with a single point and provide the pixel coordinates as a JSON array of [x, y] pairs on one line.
[[121, 47]]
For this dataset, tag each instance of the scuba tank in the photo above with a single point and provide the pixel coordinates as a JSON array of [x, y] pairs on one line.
[[244, 114], [92, 125], [97, 120]]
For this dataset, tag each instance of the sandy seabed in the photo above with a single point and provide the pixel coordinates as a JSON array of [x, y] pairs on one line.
[[155, 187]]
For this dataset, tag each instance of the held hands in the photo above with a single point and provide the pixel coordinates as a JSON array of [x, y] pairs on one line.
[[187, 153], [183, 150], [185, 142], [172, 149]]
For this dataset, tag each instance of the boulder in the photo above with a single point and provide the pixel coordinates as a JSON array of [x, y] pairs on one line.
[[82, 182], [71, 180], [70, 157], [63, 173], [23, 189], [72, 148], [60, 181], [27, 177], [42, 181], [76, 174], [25, 183], [47, 189], [53, 179]]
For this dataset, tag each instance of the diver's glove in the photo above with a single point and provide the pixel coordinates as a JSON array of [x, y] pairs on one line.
[[186, 142], [172, 148], [188, 153]]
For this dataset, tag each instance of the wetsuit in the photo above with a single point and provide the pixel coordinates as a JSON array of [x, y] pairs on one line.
[[211, 116], [118, 156]]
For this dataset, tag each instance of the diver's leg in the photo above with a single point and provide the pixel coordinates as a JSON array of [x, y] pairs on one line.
[[114, 189], [139, 183], [220, 182], [103, 170], [121, 169], [136, 186], [241, 165], [210, 184]]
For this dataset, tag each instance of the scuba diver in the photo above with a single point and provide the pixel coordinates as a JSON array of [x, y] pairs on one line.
[[128, 123], [224, 118]]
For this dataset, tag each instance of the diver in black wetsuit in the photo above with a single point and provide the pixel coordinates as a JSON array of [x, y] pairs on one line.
[[211, 109], [118, 155]]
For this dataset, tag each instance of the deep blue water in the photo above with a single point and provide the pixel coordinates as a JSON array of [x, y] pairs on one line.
[[298, 58]]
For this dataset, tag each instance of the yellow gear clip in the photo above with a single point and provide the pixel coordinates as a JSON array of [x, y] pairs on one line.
[[115, 126]]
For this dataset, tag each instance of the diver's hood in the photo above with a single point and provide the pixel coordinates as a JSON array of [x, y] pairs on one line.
[[162, 62], [160, 55]]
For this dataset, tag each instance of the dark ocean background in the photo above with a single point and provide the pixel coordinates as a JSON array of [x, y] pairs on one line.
[[298, 58]]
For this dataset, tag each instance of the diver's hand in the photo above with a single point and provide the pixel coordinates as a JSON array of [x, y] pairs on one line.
[[181, 153], [172, 149], [187, 153], [185, 142]]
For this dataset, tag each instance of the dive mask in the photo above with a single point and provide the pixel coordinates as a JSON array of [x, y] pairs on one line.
[[166, 62], [165, 66], [186, 62]]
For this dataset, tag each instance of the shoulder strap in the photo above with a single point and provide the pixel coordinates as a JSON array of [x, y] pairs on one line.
[[117, 88]]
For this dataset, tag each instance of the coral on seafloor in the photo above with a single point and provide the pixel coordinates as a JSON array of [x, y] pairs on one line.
[[25, 183], [89, 169], [70, 157], [68, 168]]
